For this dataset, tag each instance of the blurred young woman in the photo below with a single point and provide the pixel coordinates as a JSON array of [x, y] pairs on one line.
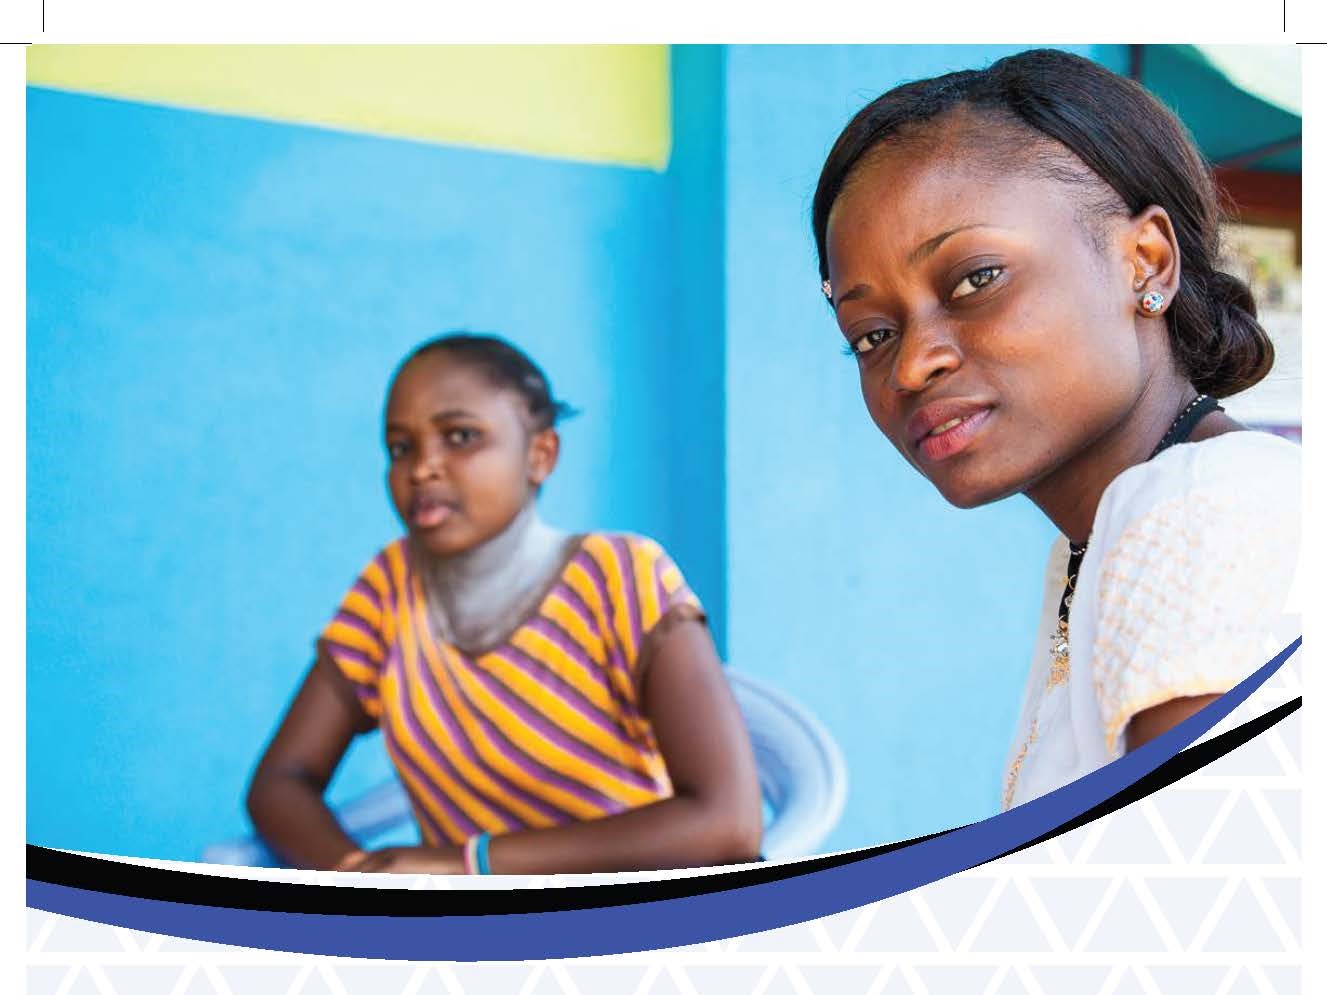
[[551, 702]]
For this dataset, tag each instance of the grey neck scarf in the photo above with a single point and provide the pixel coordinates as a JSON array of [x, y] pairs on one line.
[[476, 599]]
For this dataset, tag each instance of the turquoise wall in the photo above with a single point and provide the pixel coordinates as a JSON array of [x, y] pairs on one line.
[[215, 304]]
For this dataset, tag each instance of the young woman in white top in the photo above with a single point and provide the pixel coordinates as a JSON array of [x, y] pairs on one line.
[[1023, 261]]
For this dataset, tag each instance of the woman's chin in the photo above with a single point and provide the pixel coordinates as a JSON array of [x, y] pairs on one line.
[[440, 543], [965, 500], [970, 493]]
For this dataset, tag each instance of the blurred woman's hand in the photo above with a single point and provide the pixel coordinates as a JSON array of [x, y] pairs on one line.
[[405, 860]]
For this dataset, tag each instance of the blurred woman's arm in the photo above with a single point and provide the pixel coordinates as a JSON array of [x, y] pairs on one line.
[[285, 797]]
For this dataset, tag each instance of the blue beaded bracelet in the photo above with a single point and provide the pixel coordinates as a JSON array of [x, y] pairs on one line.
[[481, 852]]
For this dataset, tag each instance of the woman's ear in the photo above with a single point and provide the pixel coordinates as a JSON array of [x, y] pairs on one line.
[[542, 456], [1154, 255]]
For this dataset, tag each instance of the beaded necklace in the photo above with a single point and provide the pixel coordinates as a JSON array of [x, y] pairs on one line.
[[1179, 430]]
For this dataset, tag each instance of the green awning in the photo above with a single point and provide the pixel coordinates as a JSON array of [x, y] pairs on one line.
[[1241, 102], [1269, 72]]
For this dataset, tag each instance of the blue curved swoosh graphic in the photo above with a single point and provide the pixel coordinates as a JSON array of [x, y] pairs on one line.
[[622, 928]]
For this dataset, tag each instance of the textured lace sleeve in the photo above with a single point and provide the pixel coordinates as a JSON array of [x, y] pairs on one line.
[[1187, 597]]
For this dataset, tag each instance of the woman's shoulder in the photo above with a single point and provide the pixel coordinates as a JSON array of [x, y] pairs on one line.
[[386, 570], [629, 543], [638, 561], [395, 552], [637, 583], [1237, 478], [1215, 522], [1234, 456]]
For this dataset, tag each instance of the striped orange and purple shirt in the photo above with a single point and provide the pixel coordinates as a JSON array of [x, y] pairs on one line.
[[542, 730]]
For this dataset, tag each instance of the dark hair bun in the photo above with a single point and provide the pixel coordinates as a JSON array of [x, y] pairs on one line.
[[1238, 352]]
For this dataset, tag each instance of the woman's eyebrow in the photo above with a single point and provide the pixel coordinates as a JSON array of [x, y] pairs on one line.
[[935, 241], [437, 418], [923, 250], [450, 413], [860, 290]]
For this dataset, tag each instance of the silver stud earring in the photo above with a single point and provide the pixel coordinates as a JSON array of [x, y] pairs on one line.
[[826, 290], [1153, 301]]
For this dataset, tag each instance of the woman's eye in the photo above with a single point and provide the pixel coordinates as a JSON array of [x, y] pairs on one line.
[[460, 436], [865, 343], [396, 450], [975, 280]]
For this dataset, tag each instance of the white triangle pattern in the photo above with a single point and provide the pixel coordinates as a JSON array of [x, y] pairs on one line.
[[1195, 889]]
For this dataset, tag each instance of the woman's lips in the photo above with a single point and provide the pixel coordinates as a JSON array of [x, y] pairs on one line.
[[429, 513], [951, 436]]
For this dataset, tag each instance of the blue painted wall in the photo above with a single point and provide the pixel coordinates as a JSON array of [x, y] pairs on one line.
[[215, 305], [905, 624]]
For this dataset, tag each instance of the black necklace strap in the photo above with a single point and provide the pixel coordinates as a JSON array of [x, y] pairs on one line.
[[1180, 429], [1071, 579]]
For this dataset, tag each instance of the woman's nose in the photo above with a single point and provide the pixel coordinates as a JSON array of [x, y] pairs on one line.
[[428, 464], [927, 352]]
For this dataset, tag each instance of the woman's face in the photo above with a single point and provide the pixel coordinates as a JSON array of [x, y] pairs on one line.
[[462, 461], [995, 340]]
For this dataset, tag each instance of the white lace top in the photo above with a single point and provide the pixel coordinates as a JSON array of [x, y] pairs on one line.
[[1181, 592]]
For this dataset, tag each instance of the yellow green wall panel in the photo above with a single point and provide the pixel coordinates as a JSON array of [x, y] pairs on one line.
[[594, 103]]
